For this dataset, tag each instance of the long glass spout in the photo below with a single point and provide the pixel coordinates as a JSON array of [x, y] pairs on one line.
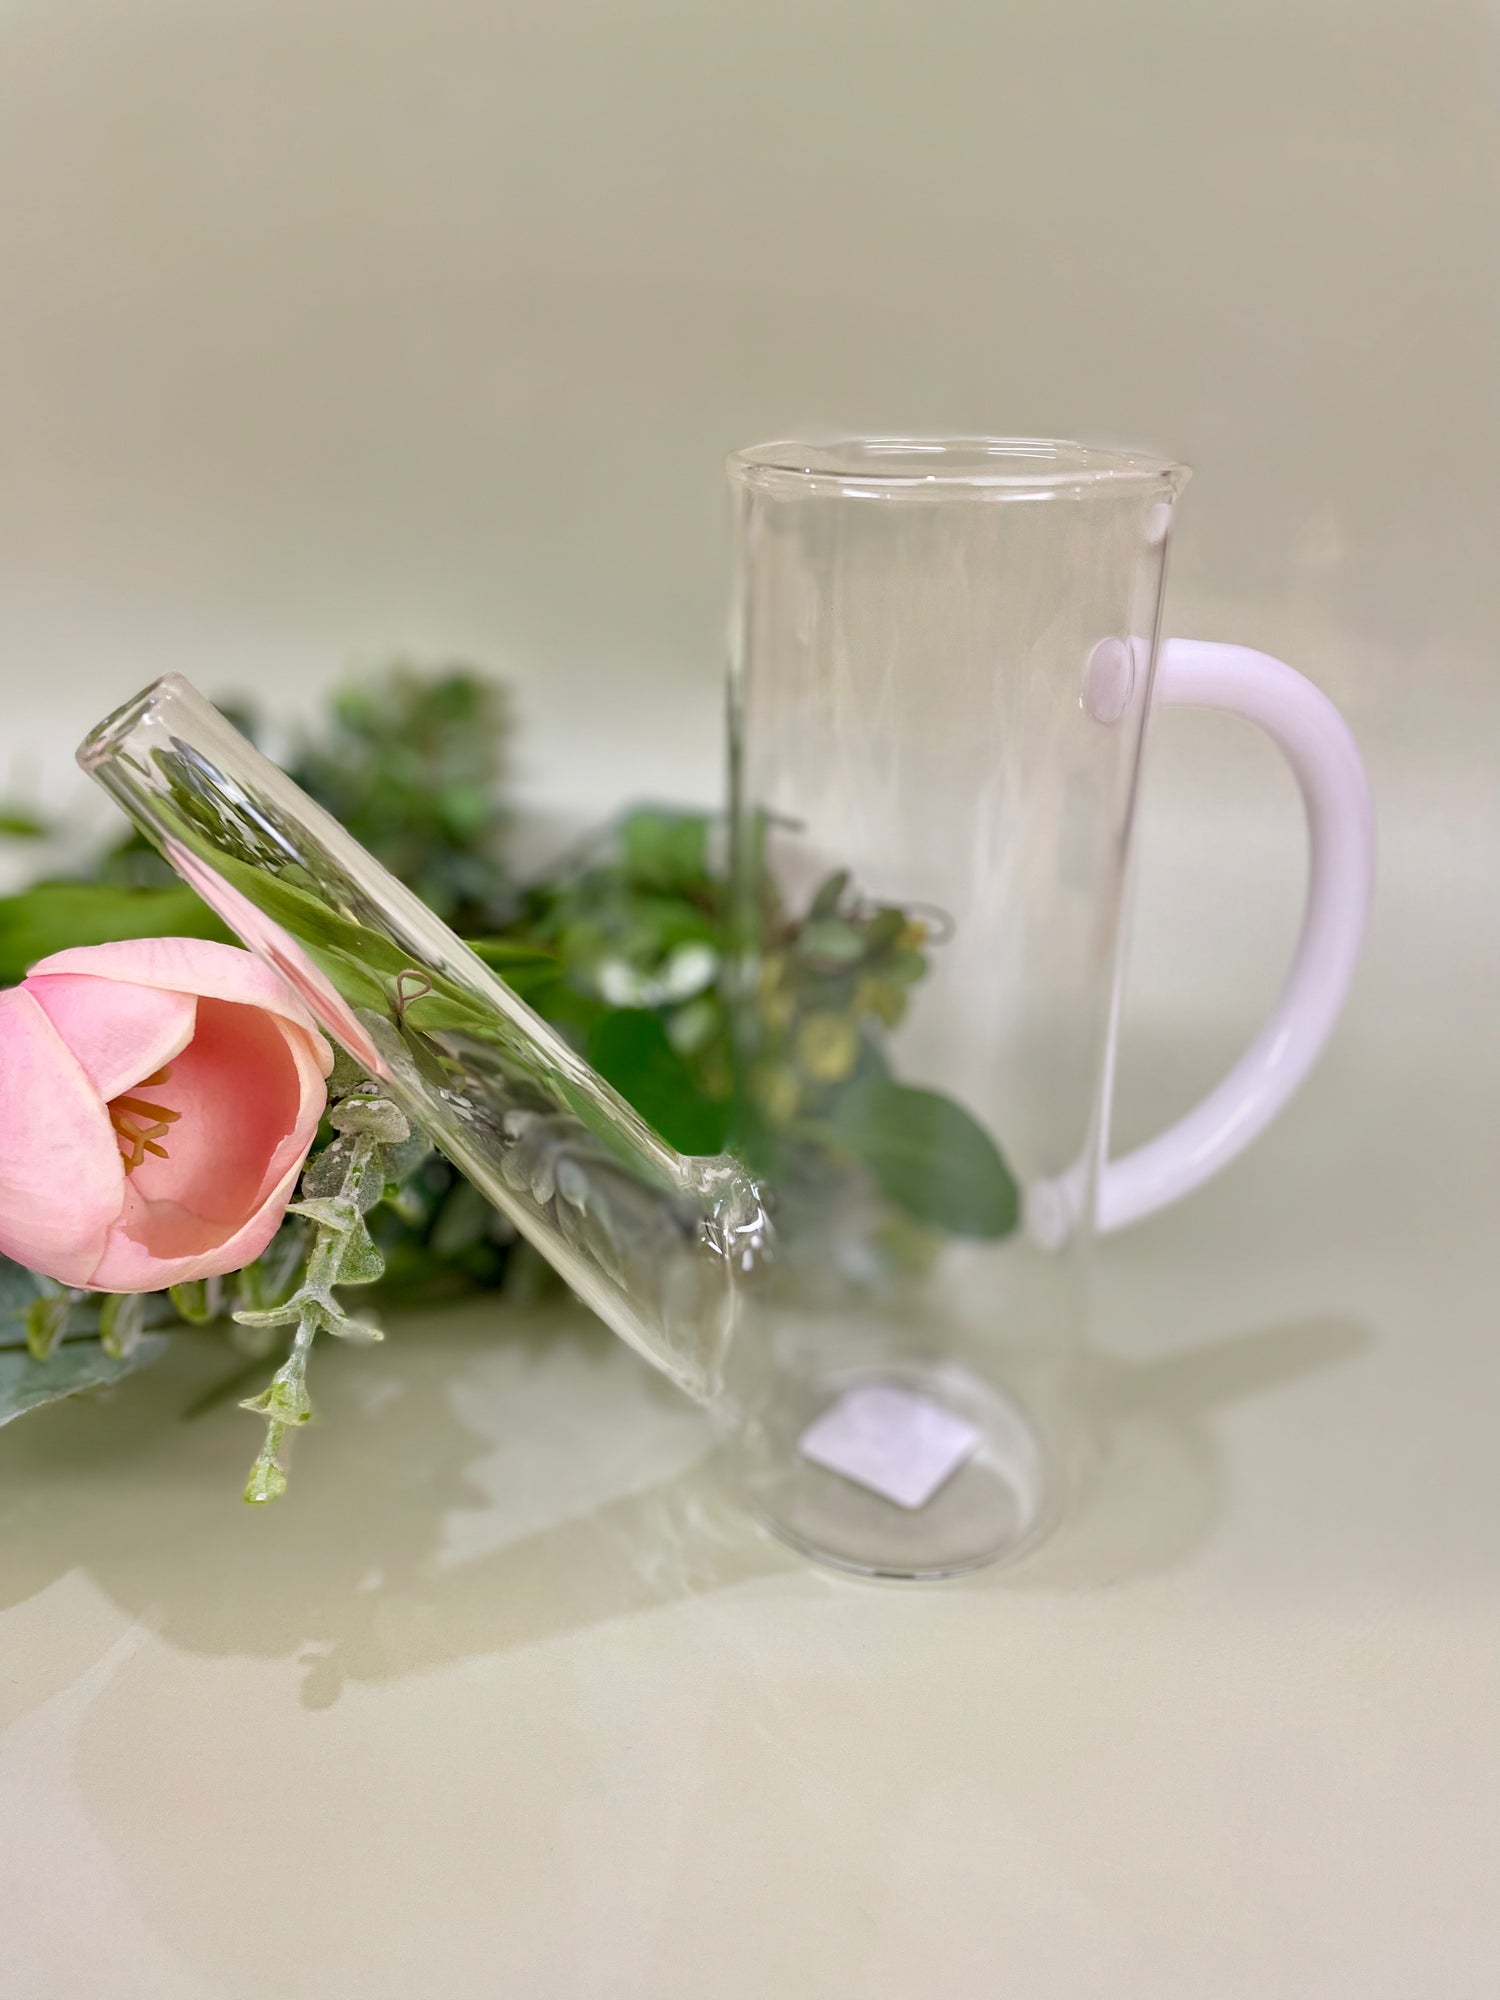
[[657, 1243]]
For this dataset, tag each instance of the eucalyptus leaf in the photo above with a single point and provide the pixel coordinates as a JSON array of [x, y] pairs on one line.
[[78, 1365], [356, 1261], [17, 1290], [927, 1155]]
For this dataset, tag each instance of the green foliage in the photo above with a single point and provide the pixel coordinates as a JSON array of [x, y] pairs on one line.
[[630, 1049], [27, 1383], [340, 1186], [623, 949], [637, 930], [641, 930], [52, 916], [16, 823], [55, 1342], [47, 1319], [195, 1301], [411, 763], [122, 1317], [664, 850], [927, 1155]]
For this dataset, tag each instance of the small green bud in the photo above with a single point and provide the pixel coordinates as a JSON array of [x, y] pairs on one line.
[[267, 1481], [882, 999], [121, 1318], [192, 1302], [284, 1400], [827, 1047], [778, 1093], [46, 1321]]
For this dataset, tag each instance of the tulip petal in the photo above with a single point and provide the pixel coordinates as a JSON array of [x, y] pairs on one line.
[[184, 965], [309, 1053], [62, 1183], [237, 1096], [118, 1032], [248, 1092], [164, 1251]]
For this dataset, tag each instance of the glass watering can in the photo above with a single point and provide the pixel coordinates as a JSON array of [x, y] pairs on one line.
[[943, 658]]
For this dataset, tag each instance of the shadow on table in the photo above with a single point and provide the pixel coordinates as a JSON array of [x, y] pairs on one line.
[[1157, 1489], [465, 1494]]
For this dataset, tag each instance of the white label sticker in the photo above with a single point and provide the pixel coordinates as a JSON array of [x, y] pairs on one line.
[[899, 1445]]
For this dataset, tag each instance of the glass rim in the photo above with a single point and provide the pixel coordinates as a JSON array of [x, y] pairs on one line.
[[913, 467]]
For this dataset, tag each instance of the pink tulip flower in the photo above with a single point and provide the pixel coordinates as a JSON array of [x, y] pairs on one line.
[[157, 1100]]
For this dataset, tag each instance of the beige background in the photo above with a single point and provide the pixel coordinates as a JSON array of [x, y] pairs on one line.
[[333, 329]]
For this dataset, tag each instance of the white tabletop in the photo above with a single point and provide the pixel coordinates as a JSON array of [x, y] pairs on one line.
[[507, 1699]]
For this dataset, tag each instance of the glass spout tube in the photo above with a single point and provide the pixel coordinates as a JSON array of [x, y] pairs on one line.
[[657, 1243]]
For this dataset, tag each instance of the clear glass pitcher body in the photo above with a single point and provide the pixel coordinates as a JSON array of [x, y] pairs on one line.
[[940, 677], [943, 658]]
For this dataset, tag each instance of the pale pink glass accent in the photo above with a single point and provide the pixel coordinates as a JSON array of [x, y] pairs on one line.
[[279, 949], [1325, 761]]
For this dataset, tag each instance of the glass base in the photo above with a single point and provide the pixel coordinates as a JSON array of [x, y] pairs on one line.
[[989, 1510]]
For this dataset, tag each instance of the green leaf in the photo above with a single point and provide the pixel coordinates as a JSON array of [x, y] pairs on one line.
[[399, 1163], [371, 1117], [192, 1301], [431, 1013], [18, 825], [663, 850], [267, 1481], [284, 1400], [308, 918], [327, 1171], [329, 1212], [46, 1323], [26, 1383], [362, 989], [53, 916], [17, 1290], [464, 1219], [356, 1259], [352, 954], [287, 1313], [830, 939], [927, 1155], [630, 1050], [829, 893], [521, 966], [121, 1318], [885, 927]]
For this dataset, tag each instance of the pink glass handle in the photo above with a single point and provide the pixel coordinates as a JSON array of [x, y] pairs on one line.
[[1316, 742]]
